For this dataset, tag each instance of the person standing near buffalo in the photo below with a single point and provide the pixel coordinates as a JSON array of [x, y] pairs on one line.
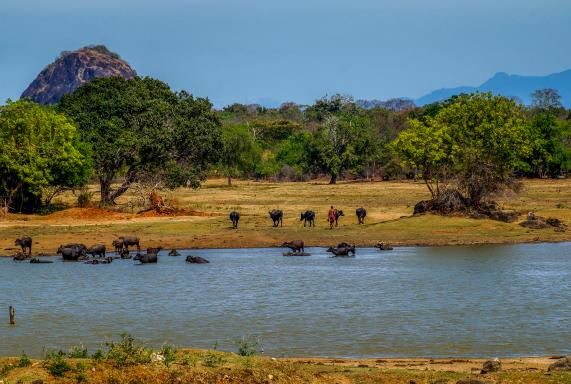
[[331, 216]]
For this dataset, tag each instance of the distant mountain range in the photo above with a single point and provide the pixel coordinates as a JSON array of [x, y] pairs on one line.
[[520, 87]]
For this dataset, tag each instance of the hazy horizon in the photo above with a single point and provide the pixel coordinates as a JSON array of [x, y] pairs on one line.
[[269, 52]]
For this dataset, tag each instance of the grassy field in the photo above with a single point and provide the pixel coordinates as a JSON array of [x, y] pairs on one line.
[[223, 367], [205, 223]]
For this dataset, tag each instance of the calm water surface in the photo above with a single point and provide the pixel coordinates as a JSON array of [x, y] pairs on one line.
[[451, 301]]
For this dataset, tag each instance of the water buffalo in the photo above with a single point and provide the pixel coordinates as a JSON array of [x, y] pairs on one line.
[[342, 252], [118, 245], [147, 258], [338, 214], [174, 252], [21, 257], [35, 260], [277, 216], [26, 243], [383, 246], [296, 245], [361, 214], [72, 252], [154, 250], [308, 216], [196, 260], [106, 260], [234, 217], [129, 240], [97, 249]]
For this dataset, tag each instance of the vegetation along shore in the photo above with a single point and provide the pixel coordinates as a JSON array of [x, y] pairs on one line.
[[128, 361], [201, 219]]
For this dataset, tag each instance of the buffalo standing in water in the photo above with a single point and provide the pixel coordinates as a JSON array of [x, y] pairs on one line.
[[383, 246], [296, 245], [25, 243], [130, 241], [148, 258], [72, 252], [234, 217], [361, 214], [97, 249], [277, 217], [308, 216], [174, 252], [342, 252], [196, 260]]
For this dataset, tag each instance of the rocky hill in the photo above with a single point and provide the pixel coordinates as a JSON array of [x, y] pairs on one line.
[[73, 69]]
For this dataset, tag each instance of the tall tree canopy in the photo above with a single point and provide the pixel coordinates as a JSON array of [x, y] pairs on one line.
[[39, 150], [479, 139], [141, 130]]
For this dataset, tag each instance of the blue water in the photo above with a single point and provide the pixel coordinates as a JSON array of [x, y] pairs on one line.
[[444, 301]]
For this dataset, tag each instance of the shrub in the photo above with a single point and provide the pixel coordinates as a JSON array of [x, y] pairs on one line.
[[128, 352], [24, 361], [55, 364], [77, 352], [83, 199], [169, 354], [249, 346]]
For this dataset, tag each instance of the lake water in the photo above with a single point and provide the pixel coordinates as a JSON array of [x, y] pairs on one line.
[[439, 302]]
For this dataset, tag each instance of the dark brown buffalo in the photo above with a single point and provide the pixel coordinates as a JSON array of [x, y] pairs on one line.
[[148, 258], [196, 260], [383, 246], [174, 252], [234, 217], [130, 241], [308, 216], [25, 243], [154, 250], [21, 257], [74, 253], [296, 245], [342, 252], [277, 217], [35, 260], [361, 214], [97, 249]]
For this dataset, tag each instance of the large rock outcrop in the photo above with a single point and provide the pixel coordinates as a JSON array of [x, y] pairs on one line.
[[73, 69]]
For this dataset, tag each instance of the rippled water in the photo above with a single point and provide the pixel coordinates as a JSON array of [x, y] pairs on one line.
[[448, 301]]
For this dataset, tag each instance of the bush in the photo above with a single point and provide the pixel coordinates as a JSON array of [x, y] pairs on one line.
[[169, 354], [83, 199], [24, 361], [213, 359], [128, 352], [249, 346], [55, 364], [77, 352]]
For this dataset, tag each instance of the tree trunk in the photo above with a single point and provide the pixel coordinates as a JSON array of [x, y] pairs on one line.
[[229, 180], [105, 186], [333, 179]]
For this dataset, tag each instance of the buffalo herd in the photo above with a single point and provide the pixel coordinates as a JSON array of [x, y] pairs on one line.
[[80, 252], [308, 217]]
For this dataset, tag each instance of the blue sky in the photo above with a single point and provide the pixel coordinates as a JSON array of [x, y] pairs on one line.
[[292, 50]]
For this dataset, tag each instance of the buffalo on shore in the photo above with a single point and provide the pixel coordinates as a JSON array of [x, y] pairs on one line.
[[25, 243], [277, 217], [308, 216]]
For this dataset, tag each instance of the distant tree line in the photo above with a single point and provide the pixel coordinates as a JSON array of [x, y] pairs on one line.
[[138, 133]]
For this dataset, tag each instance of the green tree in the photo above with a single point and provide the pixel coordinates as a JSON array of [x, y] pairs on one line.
[[240, 154], [480, 139], [141, 131], [341, 144], [39, 151]]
